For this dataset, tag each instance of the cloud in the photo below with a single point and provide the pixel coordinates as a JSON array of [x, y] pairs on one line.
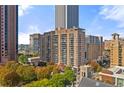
[[24, 36], [23, 9], [115, 13]]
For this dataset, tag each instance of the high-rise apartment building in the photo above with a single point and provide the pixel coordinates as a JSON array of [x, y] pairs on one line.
[[65, 46], [24, 49], [94, 47], [107, 44], [47, 46], [116, 49], [35, 43], [66, 16], [8, 32]]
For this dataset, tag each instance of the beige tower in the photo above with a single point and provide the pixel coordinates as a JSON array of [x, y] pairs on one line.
[[65, 46], [116, 48]]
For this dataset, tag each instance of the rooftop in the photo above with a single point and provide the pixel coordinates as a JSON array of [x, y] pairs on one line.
[[34, 58], [116, 69], [115, 34], [85, 66], [87, 82], [118, 72]]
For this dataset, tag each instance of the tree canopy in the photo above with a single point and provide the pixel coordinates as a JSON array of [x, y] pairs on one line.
[[27, 73], [42, 72], [95, 66], [8, 77], [23, 59], [41, 83], [58, 80], [52, 75]]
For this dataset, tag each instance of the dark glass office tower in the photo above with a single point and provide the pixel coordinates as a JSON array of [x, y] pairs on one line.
[[66, 16]]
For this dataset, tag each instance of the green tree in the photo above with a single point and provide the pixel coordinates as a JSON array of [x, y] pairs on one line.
[[57, 80], [41, 83], [70, 77], [67, 68], [23, 59], [27, 73]]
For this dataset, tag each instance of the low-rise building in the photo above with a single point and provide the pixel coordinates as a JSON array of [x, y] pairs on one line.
[[87, 82], [86, 71], [114, 75], [34, 61]]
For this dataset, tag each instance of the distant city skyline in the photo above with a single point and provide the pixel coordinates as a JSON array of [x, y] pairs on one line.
[[96, 19]]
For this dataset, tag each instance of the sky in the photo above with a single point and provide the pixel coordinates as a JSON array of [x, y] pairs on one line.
[[98, 20]]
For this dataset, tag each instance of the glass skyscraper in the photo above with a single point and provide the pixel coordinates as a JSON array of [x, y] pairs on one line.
[[66, 16]]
